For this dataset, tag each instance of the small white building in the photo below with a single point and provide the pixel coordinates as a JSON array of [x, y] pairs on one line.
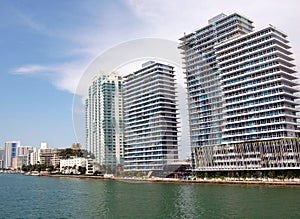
[[71, 165]]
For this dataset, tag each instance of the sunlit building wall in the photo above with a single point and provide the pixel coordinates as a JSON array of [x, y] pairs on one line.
[[151, 126]]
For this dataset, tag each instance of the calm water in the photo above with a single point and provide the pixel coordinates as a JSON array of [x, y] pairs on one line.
[[46, 197]]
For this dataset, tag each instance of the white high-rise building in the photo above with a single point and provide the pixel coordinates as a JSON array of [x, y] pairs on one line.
[[11, 154], [151, 123], [258, 85], [104, 120], [23, 155], [241, 88]]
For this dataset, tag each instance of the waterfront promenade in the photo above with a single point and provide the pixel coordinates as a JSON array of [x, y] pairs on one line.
[[247, 181]]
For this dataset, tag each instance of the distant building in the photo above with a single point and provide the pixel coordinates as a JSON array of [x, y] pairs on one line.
[[44, 145], [71, 165], [11, 153], [49, 156], [104, 120], [45, 155], [2, 156], [76, 146], [91, 166], [34, 156], [23, 155], [151, 125]]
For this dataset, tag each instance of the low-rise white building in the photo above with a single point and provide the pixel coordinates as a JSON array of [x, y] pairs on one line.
[[68, 166]]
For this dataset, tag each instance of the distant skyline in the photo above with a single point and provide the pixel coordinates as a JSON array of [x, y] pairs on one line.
[[46, 46]]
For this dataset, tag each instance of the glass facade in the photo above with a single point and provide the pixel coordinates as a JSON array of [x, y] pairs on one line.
[[240, 85], [151, 127], [259, 85], [104, 120]]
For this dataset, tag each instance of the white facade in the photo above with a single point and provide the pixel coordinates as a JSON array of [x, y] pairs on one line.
[[11, 154], [241, 87], [34, 156], [104, 120], [72, 164], [151, 126], [44, 145], [23, 155], [24, 150], [259, 82]]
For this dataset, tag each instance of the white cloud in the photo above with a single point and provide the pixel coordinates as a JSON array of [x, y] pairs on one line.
[[69, 74], [30, 69], [27, 21], [64, 76], [170, 19], [156, 18]]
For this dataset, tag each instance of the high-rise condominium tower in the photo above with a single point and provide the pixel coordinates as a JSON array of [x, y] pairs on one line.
[[241, 88], [151, 126], [104, 120]]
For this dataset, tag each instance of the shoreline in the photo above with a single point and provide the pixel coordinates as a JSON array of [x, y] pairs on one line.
[[274, 182]]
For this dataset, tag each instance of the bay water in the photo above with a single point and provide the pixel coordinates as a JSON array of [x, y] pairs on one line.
[[51, 197]]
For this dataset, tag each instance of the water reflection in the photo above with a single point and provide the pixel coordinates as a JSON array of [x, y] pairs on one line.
[[46, 197]]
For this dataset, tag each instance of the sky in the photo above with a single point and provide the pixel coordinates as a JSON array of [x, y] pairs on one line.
[[47, 45]]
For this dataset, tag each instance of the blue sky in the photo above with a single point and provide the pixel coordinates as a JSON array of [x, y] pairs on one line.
[[47, 45]]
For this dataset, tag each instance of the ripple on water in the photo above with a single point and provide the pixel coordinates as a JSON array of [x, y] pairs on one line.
[[49, 197]]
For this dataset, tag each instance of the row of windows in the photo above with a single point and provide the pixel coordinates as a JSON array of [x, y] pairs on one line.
[[150, 105], [254, 102], [257, 136], [256, 68], [144, 142], [140, 116], [204, 96], [200, 60], [140, 89], [246, 64], [255, 95], [212, 100], [163, 148], [213, 89], [208, 119], [138, 80], [255, 115], [220, 28], [203, 47], [206, 108], [206, 131], [152, 80], [230, 36], [245, 51], [243, 39], [253, 76], [256, 129], [207, 138], [204, 82], [255, 123], [256, 88], [227, 30], [206, 113], [200, 75], [243, 59], [230, 18], [258, 108]]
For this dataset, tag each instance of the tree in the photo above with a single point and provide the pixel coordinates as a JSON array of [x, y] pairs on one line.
[[69, 152], [82, 170]]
